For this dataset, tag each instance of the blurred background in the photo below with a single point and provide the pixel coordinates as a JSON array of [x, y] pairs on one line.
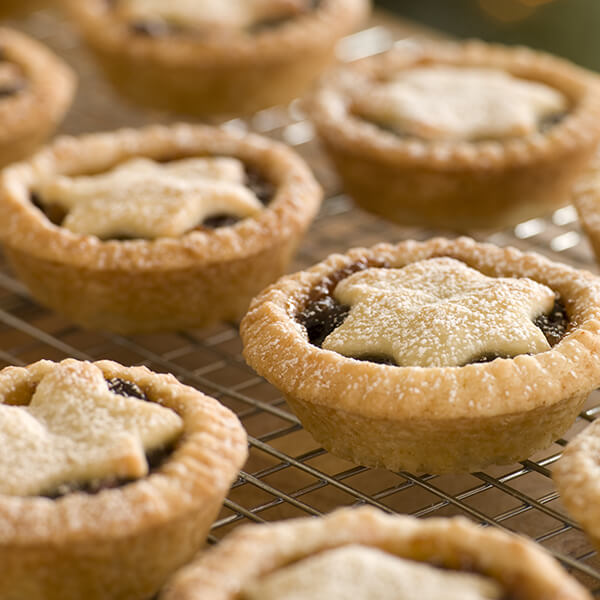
[[569, 28]]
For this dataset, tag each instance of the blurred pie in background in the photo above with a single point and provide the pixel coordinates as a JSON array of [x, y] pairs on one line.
[[36, 89], [221, 57], [461, 136]]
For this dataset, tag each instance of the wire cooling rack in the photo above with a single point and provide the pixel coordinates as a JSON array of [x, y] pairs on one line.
[[288, 474]]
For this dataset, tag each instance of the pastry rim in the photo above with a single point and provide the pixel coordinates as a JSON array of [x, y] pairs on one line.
[[214, 451], [317, 29], [586, 198], [577, 477], [292, 208], [329, 108], [221, 572], [50, 87], [500, 387]]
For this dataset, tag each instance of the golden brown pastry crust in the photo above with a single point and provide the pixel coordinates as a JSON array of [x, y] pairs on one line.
[[577, 477], [233, 74], [168, 283], [459, 185], [30, 116], [430, 419], [521, 567], [121, 543]]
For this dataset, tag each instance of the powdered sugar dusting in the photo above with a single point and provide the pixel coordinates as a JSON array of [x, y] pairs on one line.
[[144, 199], [439, 312], [76, 430]]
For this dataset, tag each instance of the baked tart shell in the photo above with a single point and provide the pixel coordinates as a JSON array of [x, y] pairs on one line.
[[577, 478], [235, 74], [523, 569], [429, 419], [121, 543], [168, 283], [459, 185], [29, 117]]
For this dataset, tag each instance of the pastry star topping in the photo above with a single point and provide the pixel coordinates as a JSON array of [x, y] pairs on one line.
[[207, 14], [75, 430], [454, 103], [144, 199], [361, 573], [437, 313]]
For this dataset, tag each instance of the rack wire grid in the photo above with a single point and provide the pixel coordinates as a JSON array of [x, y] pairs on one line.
[[288, 474]]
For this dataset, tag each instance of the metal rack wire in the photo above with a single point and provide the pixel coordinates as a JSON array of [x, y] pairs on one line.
[[288, 474]]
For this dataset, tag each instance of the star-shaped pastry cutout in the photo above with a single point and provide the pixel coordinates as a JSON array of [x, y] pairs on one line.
[[75, 430], [144, 199], [459, 103], [437, 313], [206, 14]]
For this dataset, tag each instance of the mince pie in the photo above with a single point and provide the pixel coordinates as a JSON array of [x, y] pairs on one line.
[[156, 229], [36, 89], [459, 136], [437, 356], [577, 477], [215, 57], [366, 554], [110, 478]]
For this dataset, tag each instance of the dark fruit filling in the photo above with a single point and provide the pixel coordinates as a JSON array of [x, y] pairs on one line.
[[255, 181], [126, 388], [54, 212], [550, 121], [260, 185], [155, 457], [321, 317], [10, 90], [12, 81], [152, 28], [485, 358], [554, 325], [322, 314], [216, 221]]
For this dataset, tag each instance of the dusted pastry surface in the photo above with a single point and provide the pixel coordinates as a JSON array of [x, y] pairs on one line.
[[145, 199], [76, 429], [438, 312]]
